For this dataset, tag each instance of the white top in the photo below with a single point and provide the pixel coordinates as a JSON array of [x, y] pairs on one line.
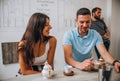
[[42, 59]]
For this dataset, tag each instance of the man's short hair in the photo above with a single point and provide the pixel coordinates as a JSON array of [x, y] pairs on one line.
[[95, 9], [83, 11]]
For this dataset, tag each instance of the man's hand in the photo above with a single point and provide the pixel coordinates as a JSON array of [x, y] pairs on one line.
[[117, 66], [105, 36], [86, 65]]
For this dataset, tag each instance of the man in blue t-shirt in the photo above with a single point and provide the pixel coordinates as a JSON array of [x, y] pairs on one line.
[[99, 25], [79, 42]]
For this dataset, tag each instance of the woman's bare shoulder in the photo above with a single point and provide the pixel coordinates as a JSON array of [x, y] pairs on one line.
[[21, 44], [53, 39]]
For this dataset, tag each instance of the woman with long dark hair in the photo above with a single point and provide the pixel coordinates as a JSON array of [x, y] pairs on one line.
[[36, 46]]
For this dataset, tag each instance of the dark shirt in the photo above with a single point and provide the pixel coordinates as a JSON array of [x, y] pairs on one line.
[[99, 26]]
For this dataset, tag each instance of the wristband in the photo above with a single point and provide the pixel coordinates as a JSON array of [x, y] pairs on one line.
[[114, 62]]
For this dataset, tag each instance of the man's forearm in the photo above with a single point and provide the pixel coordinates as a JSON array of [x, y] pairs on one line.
[[109, 58], [72, 62]]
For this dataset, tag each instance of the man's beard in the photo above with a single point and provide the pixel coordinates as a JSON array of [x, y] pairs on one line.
[[97, 18]]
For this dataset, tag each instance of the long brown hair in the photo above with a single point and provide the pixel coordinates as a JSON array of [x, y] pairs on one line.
[[33, 33]]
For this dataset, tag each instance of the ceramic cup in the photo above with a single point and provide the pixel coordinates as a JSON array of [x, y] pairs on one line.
[[67, 69]]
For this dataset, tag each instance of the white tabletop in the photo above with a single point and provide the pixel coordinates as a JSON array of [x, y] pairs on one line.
[[59, 76]]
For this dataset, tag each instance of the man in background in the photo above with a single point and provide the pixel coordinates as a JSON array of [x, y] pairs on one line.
[[99, 25]]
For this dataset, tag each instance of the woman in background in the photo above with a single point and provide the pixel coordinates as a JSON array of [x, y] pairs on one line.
[[36, 46]]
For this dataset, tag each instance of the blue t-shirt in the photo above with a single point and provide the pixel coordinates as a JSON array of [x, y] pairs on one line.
[[81, 46]]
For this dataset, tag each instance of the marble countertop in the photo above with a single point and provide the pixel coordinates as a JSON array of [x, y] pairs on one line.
[[59, 76]]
